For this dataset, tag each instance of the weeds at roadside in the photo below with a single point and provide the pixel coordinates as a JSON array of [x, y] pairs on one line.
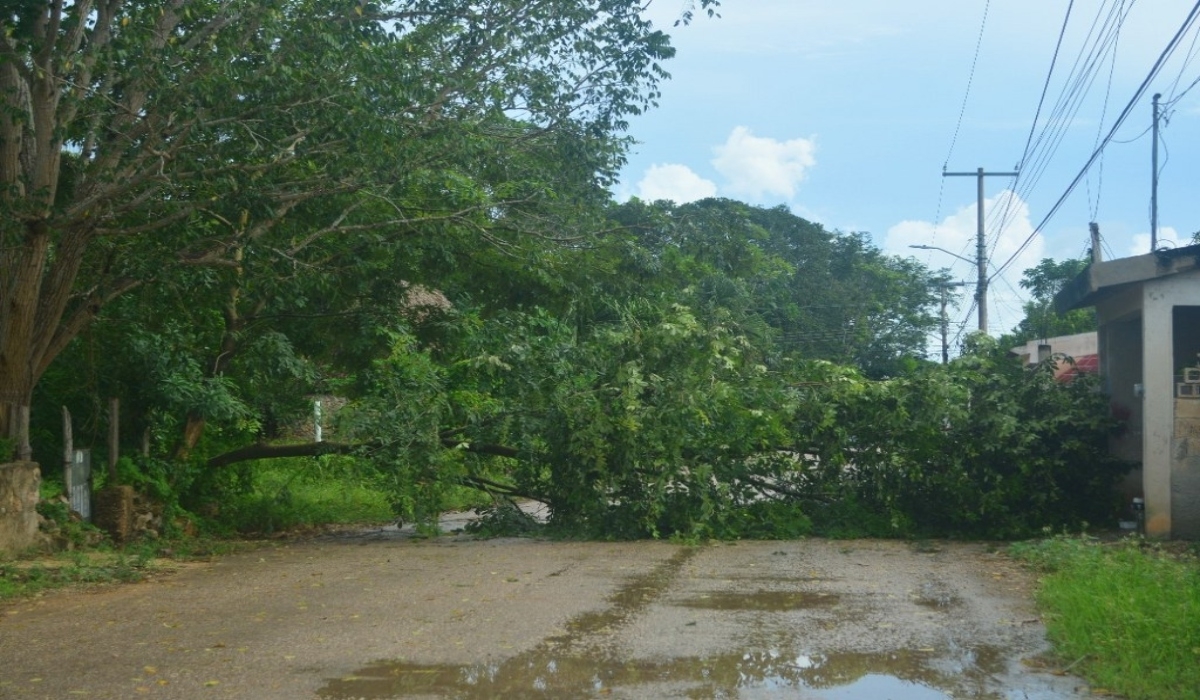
[[21, 579], [1126, 614]]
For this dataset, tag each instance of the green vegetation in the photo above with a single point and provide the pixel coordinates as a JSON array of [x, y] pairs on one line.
[[1124, 615], [225, 211], [292, 494], [1041, 319], [22, 579]]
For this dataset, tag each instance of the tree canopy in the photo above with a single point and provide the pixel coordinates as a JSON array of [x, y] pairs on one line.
[[137, 138], [1043, 282], [219, 211]]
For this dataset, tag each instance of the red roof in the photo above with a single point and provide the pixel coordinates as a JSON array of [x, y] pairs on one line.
[[1084, 364]]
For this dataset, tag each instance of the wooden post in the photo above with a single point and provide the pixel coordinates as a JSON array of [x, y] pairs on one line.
[[114, 437], [68, 452]]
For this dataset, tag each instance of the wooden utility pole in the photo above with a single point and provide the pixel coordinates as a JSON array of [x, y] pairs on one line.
[[945, 286], [1154, 178], [1094, 229], [980, 244], [68, 452], [114, 439]]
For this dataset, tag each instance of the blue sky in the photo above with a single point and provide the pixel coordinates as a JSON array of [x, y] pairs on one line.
[[847, 110]]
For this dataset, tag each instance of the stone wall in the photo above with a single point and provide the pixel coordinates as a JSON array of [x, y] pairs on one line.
[[19, 484]]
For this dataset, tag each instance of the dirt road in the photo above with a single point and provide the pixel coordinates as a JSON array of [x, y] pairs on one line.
[[384, 617]]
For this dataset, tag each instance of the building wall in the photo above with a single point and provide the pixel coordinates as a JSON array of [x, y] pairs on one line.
[[1185, 443], [1185, 470], [1170, 477], [1120, 348], [1075, 346]]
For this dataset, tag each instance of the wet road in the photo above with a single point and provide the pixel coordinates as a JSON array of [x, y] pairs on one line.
[[384, 617]]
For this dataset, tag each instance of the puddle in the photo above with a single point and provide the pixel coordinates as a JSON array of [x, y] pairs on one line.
[[628, 600], [579, 664], [936, 595], [766, 601], [908, 675]]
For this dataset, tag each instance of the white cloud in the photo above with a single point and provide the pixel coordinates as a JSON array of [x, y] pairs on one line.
[[756, 166], [1167, 238], [957, 234], [677, 183]]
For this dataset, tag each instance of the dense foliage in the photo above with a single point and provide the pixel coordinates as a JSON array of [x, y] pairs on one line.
[[220, 211], [1041, 320]]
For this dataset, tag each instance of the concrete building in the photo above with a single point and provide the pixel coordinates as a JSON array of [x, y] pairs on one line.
[[1080, 347], [1148, 308]]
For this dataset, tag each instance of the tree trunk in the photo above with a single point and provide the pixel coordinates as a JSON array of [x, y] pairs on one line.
[[193, 429], [235, 323]]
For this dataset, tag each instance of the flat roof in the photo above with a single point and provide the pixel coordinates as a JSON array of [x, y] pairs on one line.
[[1102, 279]]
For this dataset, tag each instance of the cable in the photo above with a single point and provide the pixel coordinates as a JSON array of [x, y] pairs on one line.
[[1080, 78], [1166, 53], [970, 79], [1191, 55], [1180, 96], [1112, 66], [1062, 32], [958, 126]]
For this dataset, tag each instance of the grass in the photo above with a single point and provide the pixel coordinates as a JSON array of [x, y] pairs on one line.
[[291, 494], [302, 493], [1124, 615], [283, 496], [24, 578]]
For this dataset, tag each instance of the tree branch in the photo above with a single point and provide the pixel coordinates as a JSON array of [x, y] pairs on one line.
[[316, 449]]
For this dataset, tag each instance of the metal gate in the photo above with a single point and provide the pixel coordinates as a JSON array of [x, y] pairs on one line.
[[79, 483]]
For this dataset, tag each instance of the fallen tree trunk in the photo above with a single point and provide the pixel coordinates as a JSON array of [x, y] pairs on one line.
[[316, 449]]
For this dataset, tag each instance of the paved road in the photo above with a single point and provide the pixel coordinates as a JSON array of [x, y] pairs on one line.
[[384, 617]]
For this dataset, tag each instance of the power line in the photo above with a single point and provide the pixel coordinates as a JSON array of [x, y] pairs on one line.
[[970, 79], [1067, 105], [1062, 32], [1191, 55], [1080, 78], [1154, 70], [1112, 67]]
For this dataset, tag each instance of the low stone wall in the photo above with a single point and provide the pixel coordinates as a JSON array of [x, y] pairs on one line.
[[19, 483]]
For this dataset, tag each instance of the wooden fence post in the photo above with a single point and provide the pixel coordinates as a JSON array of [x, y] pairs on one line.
[[68, 452], [114, 438]]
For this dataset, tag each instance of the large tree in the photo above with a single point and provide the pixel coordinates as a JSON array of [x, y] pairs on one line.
[[1043, 282], [137, 136], [823, 294]]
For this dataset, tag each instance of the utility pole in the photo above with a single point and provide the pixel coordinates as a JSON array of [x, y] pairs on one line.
[[1154, 178], [944, 286], [1094, 230], [980, 244]]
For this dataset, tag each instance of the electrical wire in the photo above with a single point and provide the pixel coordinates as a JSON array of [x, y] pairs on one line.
[[1154, 70], [961, 114], [1062, 32], [1035, 158], [1112, 66], [1188, 58], [970, 80], [1079, 78]]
